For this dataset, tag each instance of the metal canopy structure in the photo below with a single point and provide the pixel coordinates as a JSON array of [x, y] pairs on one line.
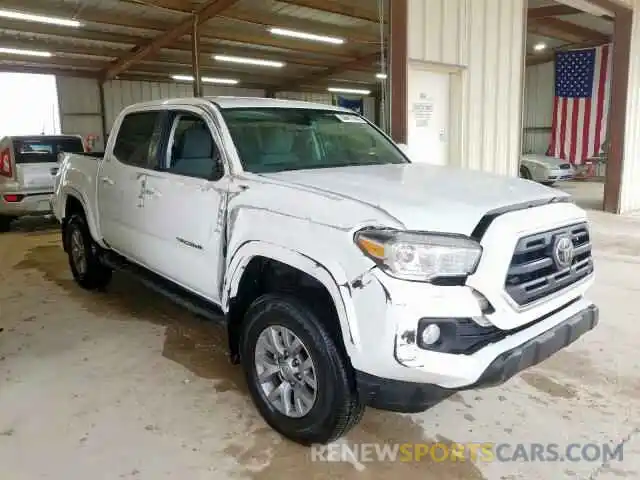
[[151, 40], [561, 27]]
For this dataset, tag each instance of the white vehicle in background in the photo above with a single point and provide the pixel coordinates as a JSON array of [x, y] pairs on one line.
[[28, 165], [545, 169], [344, 274]]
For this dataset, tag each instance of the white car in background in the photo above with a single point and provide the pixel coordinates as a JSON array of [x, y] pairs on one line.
[[28, 165], [546, 170]]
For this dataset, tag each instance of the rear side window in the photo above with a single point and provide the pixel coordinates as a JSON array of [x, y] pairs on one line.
[[135, 138], [44, 149]]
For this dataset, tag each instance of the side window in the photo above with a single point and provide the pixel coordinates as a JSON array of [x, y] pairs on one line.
[[135, 138], [192, 150]]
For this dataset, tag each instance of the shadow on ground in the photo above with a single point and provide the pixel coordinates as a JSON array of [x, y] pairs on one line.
[[35, 225]]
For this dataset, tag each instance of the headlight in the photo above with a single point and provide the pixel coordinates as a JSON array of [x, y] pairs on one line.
[[419, 256]]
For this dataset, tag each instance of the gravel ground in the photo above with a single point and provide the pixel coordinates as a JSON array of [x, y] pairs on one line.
[[123, 384]]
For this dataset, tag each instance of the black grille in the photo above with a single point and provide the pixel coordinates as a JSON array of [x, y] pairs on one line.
[[534, 273], [565, 166]]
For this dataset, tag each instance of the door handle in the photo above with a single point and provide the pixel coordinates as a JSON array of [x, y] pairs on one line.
[[107, 181], [150, 192]]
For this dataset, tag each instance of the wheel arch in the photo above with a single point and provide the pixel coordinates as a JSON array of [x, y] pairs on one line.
[[242, 268], [73, 201]]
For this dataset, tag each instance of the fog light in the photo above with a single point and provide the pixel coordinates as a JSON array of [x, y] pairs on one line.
[[430, 334]]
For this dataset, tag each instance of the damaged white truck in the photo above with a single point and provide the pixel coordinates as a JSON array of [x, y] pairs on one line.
[[345, 274]]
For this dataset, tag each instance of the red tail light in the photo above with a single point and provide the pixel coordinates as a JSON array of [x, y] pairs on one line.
[[13, 198], [5, 163]]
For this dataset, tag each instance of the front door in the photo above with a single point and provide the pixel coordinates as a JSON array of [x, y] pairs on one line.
[[185, 205]]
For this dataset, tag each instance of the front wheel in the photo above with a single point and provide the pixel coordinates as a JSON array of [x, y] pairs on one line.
[[298, 377], [85, 266]]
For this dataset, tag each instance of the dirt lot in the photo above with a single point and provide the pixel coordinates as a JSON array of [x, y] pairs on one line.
[[123, 384]]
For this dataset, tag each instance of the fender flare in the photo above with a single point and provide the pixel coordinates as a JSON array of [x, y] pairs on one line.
[[331, 277], [72, 192]]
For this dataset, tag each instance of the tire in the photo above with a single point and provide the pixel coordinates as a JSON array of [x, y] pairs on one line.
[[525, 173], [336, 408], [5, 223], [90, 275]]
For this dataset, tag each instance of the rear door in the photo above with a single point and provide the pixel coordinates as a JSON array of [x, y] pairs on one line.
[[121, 179], [36, 160]]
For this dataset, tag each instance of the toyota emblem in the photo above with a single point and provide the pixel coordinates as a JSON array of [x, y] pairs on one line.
[[563, 252]]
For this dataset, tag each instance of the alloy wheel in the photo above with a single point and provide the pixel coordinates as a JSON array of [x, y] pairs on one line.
[[285, 371]]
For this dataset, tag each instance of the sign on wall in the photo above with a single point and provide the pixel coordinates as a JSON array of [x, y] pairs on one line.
[[356, 105]]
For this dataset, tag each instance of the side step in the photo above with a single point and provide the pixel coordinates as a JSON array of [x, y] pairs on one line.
[[194, 303]]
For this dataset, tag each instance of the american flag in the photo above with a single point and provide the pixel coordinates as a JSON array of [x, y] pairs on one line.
[[581, 104]]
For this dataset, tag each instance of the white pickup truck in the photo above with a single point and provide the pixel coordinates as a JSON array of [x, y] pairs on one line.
[[345, 274]]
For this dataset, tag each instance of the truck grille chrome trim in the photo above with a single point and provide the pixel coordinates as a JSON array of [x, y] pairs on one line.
[[548, 262]]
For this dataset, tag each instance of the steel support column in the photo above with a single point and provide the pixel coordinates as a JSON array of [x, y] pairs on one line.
[[398, 40], [618, 107], [195, 57]]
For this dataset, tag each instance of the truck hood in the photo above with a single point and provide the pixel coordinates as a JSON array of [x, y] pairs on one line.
[[422, 197]]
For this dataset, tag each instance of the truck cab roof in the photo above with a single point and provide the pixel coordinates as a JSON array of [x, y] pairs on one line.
[[228, 102]]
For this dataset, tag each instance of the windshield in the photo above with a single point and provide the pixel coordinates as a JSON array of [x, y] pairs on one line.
[[280, 139]]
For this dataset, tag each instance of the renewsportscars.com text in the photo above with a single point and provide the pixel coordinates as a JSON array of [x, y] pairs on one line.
[[476, 452]]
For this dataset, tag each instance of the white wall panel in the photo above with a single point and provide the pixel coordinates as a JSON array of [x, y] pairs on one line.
[[121, 93], [486, 39], [539, 87], [438, 30], [630, 188], [79, 103], [538, 95], [369, 108]]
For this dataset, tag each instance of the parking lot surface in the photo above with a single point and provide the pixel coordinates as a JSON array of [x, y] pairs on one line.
[[123, 384]]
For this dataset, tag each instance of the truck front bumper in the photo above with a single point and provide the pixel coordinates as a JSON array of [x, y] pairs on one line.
[[411, 397]]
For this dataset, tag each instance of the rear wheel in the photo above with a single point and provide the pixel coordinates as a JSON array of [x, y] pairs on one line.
[[85, 266], [298, 377], [5, 223]]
